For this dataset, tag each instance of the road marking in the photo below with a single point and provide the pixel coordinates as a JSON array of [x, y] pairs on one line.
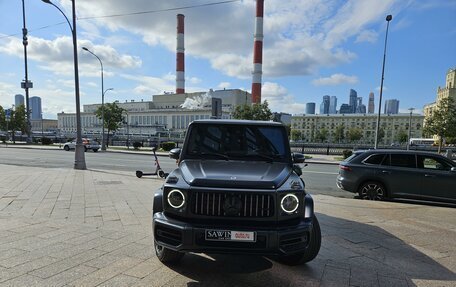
[[322, 172]]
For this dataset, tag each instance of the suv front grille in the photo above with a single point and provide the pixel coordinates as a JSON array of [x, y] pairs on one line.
[[225, 204]]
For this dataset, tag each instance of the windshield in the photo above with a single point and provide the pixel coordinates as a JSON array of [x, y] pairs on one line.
[[238, 142]]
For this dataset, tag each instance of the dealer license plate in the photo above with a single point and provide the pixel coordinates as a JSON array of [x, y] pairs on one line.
[[230, 235]]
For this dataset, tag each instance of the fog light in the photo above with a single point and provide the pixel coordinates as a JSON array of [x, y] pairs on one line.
[[176, 198], [289, 203]]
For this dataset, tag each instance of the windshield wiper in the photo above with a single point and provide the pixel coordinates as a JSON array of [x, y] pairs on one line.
[[217, 154], [269, 158]]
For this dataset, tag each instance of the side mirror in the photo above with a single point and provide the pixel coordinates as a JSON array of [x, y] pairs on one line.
[[175, 153], [298, 157]]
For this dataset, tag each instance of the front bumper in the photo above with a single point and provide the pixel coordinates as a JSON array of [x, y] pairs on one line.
[[185, 237]]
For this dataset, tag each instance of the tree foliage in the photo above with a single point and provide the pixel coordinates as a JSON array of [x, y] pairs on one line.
[[442, 121], [17, 121], [257, 112], [401, 136], [339, 133], [321, 135], [113, 118], [296, 135], [354, 134]]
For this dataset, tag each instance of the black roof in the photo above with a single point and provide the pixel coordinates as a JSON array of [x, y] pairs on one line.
[[401, 151], [236, 122]]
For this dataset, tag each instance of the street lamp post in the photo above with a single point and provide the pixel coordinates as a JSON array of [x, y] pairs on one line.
[[388, 19], [26, 84], [79, 156], [410, 128], [103, 144]]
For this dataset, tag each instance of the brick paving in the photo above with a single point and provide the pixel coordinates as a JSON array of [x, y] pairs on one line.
[[64, 227]]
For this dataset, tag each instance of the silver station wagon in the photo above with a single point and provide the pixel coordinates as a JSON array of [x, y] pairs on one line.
[[381, 174]]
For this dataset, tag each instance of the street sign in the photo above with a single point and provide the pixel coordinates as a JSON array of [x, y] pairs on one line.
[[8, 114]]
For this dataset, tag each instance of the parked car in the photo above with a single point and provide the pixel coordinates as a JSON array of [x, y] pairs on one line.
[[236, 190], [88, 144], [381, 174]]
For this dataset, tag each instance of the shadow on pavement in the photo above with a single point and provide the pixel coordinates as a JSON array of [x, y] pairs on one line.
[[352, 253]]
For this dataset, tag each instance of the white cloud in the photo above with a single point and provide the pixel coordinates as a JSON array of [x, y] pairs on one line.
[[224, 85], [279, 99], [367, 36], [335, 79], [56, 55], [300, 37]]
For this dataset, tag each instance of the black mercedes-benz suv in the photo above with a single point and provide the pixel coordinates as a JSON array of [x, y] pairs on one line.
[[237, 189]]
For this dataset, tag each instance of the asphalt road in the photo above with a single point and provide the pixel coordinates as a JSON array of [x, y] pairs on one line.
[[319, 178]]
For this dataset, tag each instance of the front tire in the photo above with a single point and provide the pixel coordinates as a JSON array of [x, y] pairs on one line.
[[167, 256], [66, 148], [311, 251], [372, 190]]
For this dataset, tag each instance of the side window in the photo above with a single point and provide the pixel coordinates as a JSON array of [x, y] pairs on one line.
[[375, 159], [403, 160], [429, 162]]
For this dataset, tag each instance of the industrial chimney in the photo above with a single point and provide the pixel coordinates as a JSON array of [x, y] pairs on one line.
[[180, 56], [257, 53]]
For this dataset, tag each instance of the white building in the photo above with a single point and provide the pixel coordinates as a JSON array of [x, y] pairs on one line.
[[169, 112]]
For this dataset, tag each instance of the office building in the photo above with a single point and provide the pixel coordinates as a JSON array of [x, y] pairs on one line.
[[310, 108], [391, 107], [324, 107], [360, 108], [345, 109], [333, 105], [353, 101], [371, 107], [35, 108], [18, 100]]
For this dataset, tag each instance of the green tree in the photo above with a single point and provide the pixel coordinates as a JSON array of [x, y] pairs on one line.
[[401, 136], [442, 121], [339, 133], [258, 112], [113, 118], [2, 119], [321, 135], [296, 135], [354, 134], [16, 123]]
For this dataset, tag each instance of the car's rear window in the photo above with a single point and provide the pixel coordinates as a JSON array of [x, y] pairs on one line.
[[375, 159], [352, 157]]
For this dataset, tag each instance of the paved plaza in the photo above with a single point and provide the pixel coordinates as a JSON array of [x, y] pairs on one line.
[[65, 227]]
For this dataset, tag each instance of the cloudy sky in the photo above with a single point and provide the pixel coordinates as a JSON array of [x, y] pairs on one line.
[[312, 48]]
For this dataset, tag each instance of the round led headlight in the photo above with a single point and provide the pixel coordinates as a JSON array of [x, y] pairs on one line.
[[176, 198], [289, 203]]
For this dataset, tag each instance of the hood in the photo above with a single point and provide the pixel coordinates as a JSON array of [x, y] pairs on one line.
[[235, 174]]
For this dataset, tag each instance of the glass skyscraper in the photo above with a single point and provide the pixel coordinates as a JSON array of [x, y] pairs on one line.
[[35, 108]]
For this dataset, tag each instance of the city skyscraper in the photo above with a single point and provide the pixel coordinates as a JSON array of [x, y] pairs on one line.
[[324, 107], [35, 106], [371, 106], [18, 100], [360, 108], [391, 106], [353, 100], [333, 105], [310, 108]]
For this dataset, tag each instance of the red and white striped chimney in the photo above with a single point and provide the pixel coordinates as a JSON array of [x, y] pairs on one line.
[[180, 56], [257, 53]]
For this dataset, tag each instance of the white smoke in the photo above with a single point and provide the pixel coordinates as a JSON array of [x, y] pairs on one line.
[[197, 102]]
